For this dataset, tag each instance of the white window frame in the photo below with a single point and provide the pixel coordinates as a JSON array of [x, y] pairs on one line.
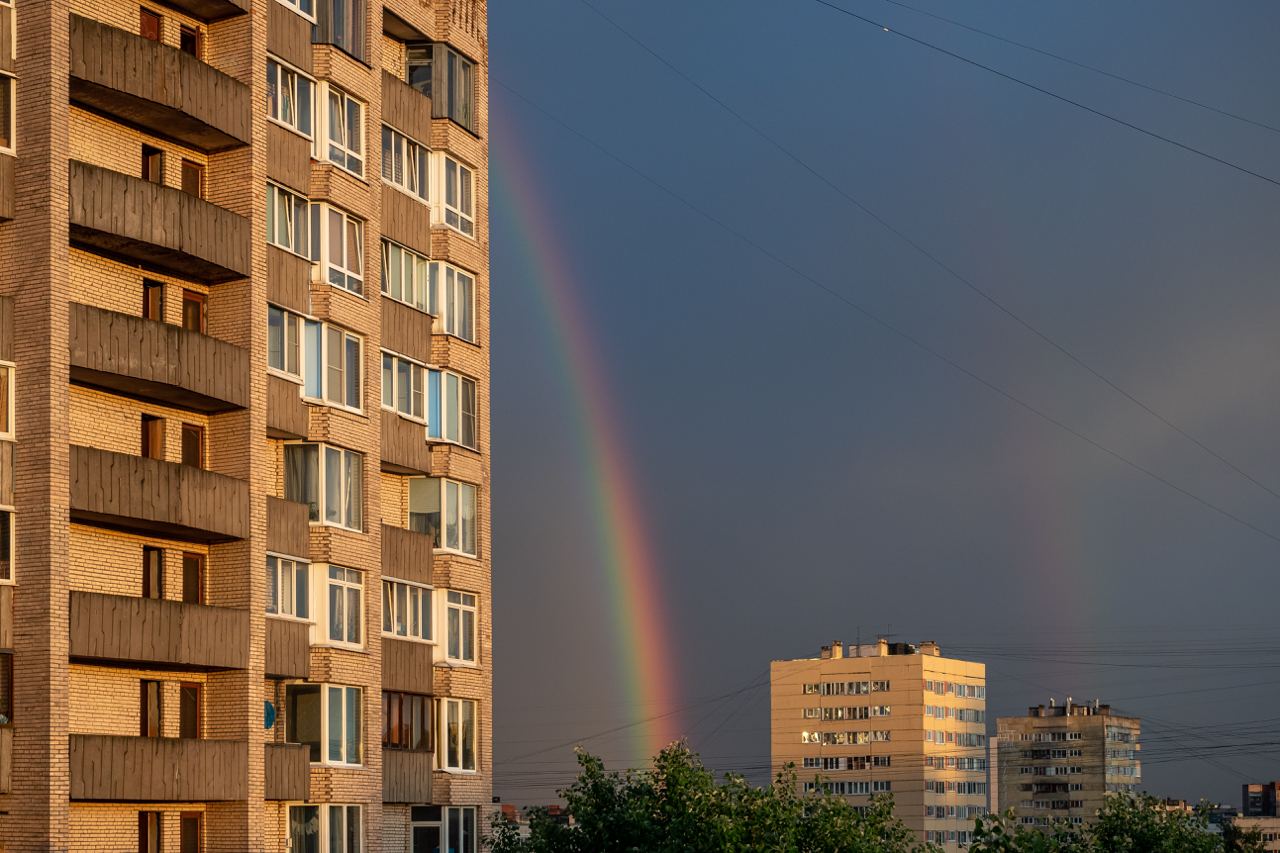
[[324, 690], [326, 145], [11, 371], [323, 217], [420, 274], [351, 582], [12, 147], [299, 8], [300, 78], [447, 747], [448, 409], [448, 300], [466, 843], [453, 215], [297, 321], [398, 593], [300, 568], [13, 543], [442, 512], [415, 159], [295, 204], [318, 371], [324, 820], [321, 503], [391, 362], [462, 608]]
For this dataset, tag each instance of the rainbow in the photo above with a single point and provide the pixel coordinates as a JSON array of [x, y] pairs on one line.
[[622, 542]]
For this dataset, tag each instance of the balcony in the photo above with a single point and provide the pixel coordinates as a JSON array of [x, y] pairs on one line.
[[288, 772], [404, 445], [6, 760], [406, 554], [164, 634], [406, 665], [156, 361], [156, 227], [288, 528], [406, 776], [406, 330], [404, 107], [117, 768], [157, 88], [288, 652], [286, 413], [149, 496]]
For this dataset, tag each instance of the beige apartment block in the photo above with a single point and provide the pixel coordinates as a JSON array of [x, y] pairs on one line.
[[1267, 827], [1059, 762], [887, 718], [244, 426]]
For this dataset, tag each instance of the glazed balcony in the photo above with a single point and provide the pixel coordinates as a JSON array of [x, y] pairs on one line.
[[406, 776], [406, 666], [406, 555], [156, 227], [164, 634], [118, 768], [156, 361], [152, 497], [157, 88], [288, 772]]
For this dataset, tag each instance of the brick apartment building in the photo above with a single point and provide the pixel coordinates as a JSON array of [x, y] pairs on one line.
[[244, 468]]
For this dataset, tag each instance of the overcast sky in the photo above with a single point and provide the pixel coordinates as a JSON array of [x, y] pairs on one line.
[[807, 475]]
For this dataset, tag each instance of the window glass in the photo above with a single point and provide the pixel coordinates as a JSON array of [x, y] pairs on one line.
[[459, 210], [288, 224], [406, 610], [345, 119], [404, 163], [454, 303], [289, 97], [461, 627]]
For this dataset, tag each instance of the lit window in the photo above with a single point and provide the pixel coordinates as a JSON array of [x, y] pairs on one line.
[[445, 510], [451, 414], [459, 197], [288, 225], [403, 386], [343, 608], [461, 627], [337, 246], [333, 369], [326, 718], [453, 301], [459, 735], [329, 482], [344, 137], [406, 276], [287, 587], [404, 163], [284, 341], [290, 96], [406, 610]]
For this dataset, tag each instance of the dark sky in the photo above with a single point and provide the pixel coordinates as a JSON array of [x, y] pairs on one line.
[[807, 475]]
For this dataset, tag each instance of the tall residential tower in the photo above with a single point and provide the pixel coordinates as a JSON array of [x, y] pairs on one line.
[[244, 468]]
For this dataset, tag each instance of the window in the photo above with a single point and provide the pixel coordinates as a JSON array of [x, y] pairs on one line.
[[194, 311], [341, 23], [304, 826], [403, 384], [453, 90], [152, 164], [344, 123], [326, 718], [346, 615], [151, 708], [452, 412], [193, 578], [284, 342], [329, 482], [6, 545], [337, 245], [189, 837], [149, 832], [418, 59], [406, 721], [332, 367], [153, 300], [461, 828], [287, 587], [190, 702], [7, 119], [307, 9], [459, 735], [6, 688], [193, 445], [453, 301], [152, 437], [344, 829], [6, 400], [290, 95], [424, 828], [406, 276], [446, 511], [404, 163], [406, 610], [193, 178], [148, 24], [459, 198], [152, 572], [288, 222], [190, 41], [461, 627]]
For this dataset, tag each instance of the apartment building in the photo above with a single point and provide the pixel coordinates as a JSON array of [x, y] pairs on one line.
[[244, 430], [887, 718], [1059, 762], [1260, 799]]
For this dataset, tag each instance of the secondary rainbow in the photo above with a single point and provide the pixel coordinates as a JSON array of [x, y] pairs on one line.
[[622, 540]]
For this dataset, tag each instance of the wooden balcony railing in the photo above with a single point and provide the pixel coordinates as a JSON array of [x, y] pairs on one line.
[[117, 768], [123, 629]]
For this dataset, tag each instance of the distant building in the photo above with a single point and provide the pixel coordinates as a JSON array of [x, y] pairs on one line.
[[1059, 762], [1259, 799], [891, 718], [1268, 826], [993, 774]]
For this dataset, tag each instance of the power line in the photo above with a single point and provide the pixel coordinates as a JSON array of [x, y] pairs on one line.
[[883, 323], [924, 251], [1087, 67], [1042, 90]]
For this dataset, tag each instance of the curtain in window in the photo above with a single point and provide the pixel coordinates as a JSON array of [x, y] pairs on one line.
[[354, 491], [353, 730], [304, 829], [333, 492], [467, 513], [300, 477]]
